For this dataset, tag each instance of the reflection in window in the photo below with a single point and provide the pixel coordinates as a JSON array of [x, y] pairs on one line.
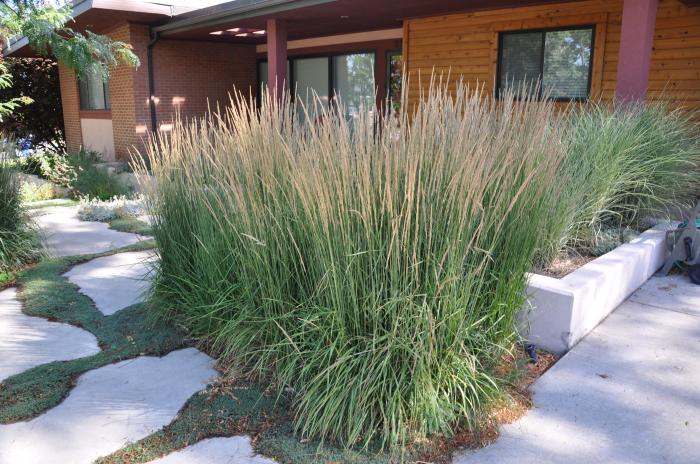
[[353, 81], [394, 78], [349, 76], [94, 92], [560, 60]]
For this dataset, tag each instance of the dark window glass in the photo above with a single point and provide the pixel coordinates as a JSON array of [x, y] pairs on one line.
[[349, 76], [94, 92], [560, 60], [394, 78]]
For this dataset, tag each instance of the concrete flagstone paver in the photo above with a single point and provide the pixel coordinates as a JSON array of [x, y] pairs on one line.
[[114, 282], [675, 292], [109, 407], [66, 235], [26, 341], [230, 450], [627, 393]]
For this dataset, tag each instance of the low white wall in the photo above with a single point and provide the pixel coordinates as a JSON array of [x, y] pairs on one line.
[[98, 136], [562, 311]]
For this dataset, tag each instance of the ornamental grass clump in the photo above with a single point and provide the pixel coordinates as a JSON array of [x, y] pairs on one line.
[[374, 266], [19, 242], [626, 162]]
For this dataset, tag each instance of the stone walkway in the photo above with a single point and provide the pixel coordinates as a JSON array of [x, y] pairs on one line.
[[114, 282], [113, 405], [26, 342], [230, 450], [108, 408], [66, 235], [627, 393]]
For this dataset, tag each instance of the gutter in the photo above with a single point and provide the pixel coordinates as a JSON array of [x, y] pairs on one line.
[[155, 36], [235, 12]]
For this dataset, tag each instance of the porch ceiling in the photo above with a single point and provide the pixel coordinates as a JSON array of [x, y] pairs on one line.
[[321, 18]]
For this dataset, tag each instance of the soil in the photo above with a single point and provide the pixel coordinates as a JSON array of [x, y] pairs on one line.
[[565, 264]]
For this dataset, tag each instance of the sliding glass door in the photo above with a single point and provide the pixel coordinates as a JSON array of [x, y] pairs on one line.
[[349, 77]]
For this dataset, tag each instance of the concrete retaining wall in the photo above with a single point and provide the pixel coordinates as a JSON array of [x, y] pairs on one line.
[[562, 311]]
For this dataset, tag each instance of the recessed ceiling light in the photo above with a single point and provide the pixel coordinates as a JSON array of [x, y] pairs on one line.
[[235, 29], [245, 34], [216, 33], [259, 32], [345, 17]]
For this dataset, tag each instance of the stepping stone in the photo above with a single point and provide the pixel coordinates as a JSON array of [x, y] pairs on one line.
[[66, 235], [109, 408], [114, 282], [27, 341], [675, 292], [231, 450]]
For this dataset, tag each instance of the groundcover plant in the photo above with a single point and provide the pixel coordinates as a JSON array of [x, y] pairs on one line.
[[372, 266]]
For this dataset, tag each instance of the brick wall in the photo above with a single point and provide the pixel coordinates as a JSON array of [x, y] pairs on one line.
[[71, 107], [188, 76], [191, 75], [121, 94]]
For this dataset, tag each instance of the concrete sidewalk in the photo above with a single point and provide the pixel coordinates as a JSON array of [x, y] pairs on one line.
[[628, 393]]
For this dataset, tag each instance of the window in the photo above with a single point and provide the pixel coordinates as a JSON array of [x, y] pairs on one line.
[[394, 78], [559, 59], [94, 92], [348, 76]]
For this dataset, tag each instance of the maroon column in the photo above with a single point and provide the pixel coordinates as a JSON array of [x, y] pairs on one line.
[[636, 41], [276, 56]]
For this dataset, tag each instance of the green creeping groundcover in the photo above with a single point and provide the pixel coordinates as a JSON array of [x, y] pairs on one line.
[[244, 408], [44, 292]]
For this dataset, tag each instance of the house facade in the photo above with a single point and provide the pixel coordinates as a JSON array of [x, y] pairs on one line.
[[191, 59]]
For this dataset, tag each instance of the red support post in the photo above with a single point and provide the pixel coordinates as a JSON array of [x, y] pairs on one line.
[[636, 42], [276, 56]]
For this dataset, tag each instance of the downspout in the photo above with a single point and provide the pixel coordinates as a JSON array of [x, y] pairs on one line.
[[155, 36]]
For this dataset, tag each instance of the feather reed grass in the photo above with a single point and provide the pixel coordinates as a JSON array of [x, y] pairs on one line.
[[375, 266]]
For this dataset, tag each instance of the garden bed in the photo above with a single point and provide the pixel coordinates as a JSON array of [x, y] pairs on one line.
[[562, 311]]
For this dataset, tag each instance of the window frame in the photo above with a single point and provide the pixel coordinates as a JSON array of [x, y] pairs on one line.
[[331, 71], [543, 32], [106, 95]]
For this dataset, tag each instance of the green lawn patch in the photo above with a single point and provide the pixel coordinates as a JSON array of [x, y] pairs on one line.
[[131, 225]]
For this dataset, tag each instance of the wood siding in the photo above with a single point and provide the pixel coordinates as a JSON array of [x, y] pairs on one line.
[[465, 45]]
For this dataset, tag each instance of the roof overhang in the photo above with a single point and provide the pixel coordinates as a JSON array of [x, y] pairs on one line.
[[231, 12], [314, 18], [101, 15]]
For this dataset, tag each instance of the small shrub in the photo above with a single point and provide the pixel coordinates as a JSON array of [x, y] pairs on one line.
[[121, 207], [31, 192], [41, 121], [90, 181]]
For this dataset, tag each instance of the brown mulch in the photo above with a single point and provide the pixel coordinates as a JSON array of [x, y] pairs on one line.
[[504, 413], [565, 264]]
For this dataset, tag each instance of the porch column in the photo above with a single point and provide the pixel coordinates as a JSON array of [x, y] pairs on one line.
[[636, 41], [276, 56]]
